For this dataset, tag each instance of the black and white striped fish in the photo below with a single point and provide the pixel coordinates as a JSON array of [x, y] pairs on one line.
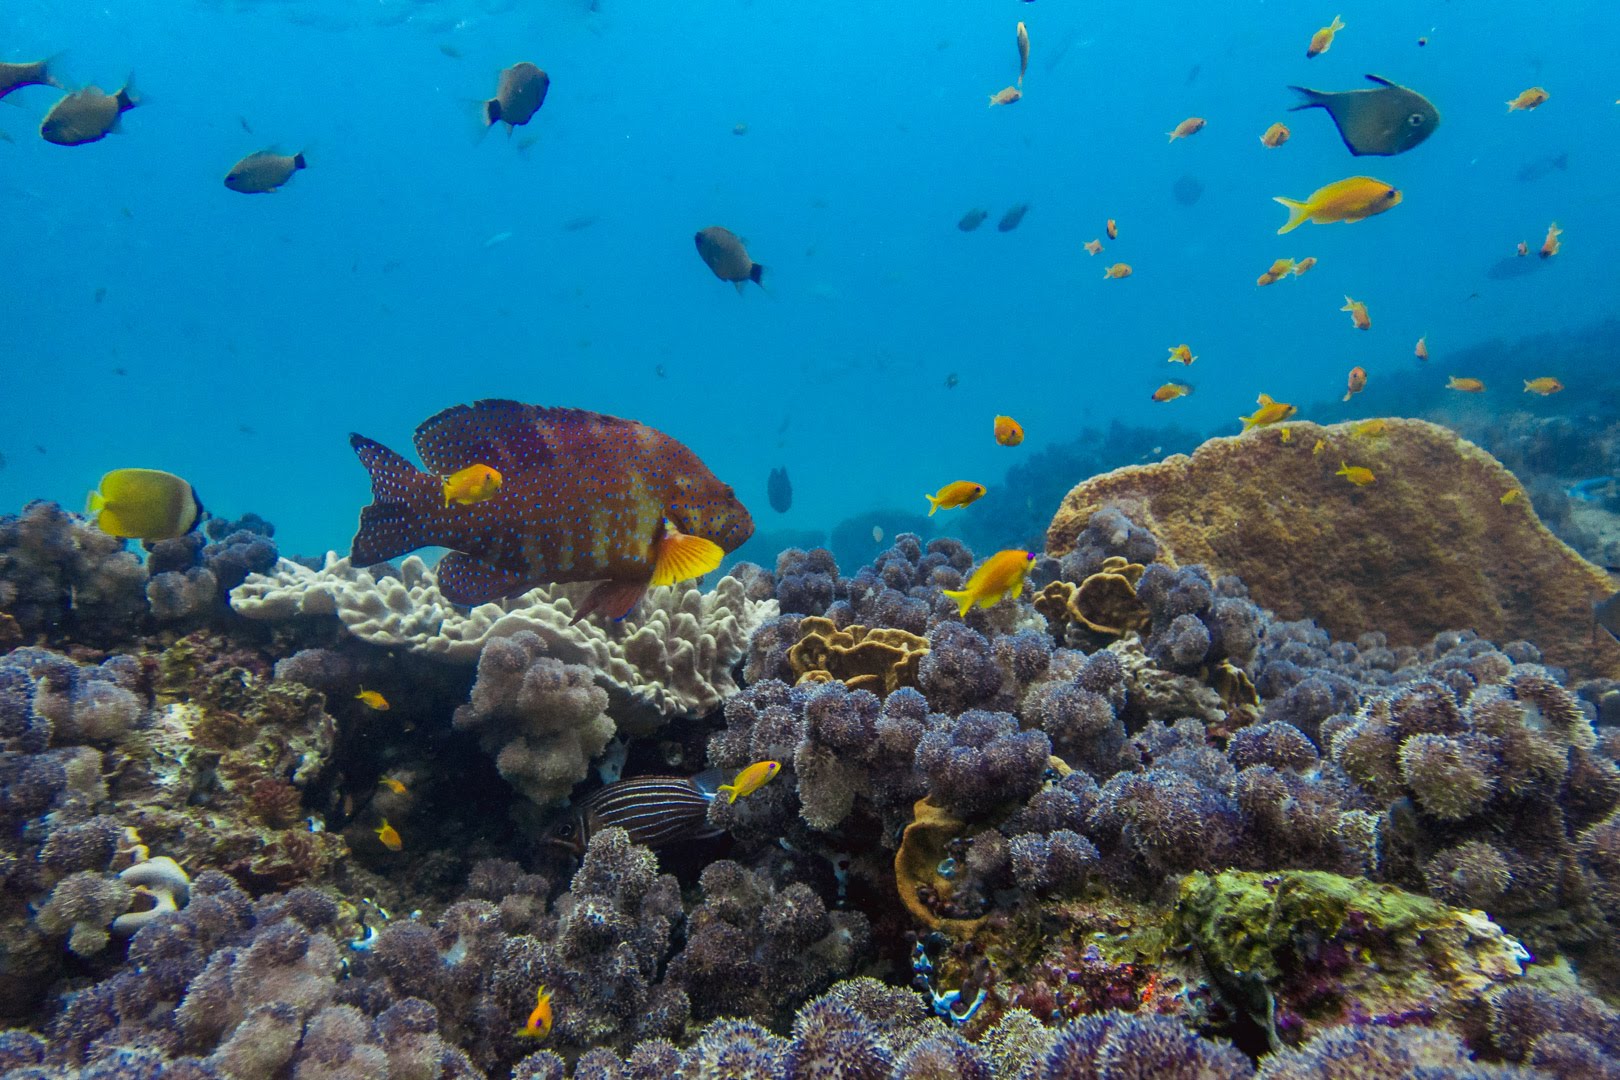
[[654, 810]]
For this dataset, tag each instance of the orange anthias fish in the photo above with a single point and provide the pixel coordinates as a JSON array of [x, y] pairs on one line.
[[1358, 382], [538, 1025], [1543, 386], [1118, 270], [956, 493], [1358, 475], [389, 836], [1112, 229], [1279, 270], [1322, 40], [584, 497], [1005, 96], [1370, 429], [1528, 100], [1269, 412], [1190, 126], [998, 577], [474, 484], [1171, 390], [393, 785], [756, 775], [1467, 386], [1354, 198], [1009, 432], [1093, 247], [1304, 265], [1422, 350], [1551, 245], [1275, 136], [1182, 354], [371, 699], [1358, 313]]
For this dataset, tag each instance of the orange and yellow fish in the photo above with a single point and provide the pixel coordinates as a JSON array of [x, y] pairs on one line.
[[1358, 382], [756, 775], [1358, 475], [1351, 199], [1422, 350], [1543, 386], [1358, 314], [1172, 390], [1093, 247], [1511, 496], [955, 494], [1551, 245], [1118, 270], [392, 785], [1190, 126], [1112, 229], [1009, 432], [1285, 434], [1467, 386], [538, 1025], [999, 577], [1279, 270], [1322, 40], [1321, 445], [1005, 96], [371, 699], [1528, 99], [1368, 429], [389, 836], [1269, 412], [474, 484], [1275, 136], [1304, 265], [1181, 354]]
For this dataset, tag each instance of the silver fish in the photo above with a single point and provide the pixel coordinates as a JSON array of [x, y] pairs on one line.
[[1383, 121], [654, 810]]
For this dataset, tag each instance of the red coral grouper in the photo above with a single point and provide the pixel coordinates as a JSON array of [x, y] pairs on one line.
[[584, 497]]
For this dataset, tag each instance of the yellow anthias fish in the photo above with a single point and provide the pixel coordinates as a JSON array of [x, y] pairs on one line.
[[956, 493], [144, 504], [749, 780], [1093, 246], [392, 785], [1367, 429], [1543, 386], [1182, 354], [1466, 385], [372, 700], [1275, 136], [1279, 270], [474, 484], [1528, 99], [1304, 265], [538, 1025], [1351, 199], [1008, 431], [389, 836], [1117, 271], [1322, 40], [1510, 496], [1321, 445], [998, 577], [1172, 390], [1358, 314], [1269, 412], [1358, 475]]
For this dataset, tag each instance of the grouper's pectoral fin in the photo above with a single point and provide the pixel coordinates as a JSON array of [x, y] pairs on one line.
[[466, 579], [615, 599]]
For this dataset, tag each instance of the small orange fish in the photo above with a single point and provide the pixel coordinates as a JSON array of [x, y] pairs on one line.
[[1358, 382], [997, 578], [1422, 350], [1467, 386], [1528, 99], [1275, 136], [1093, 247], [1190, 126], [1358, 313], [1005, 96], [955, 494], [538, 1025], [1182, 354], [389, 836], [1118, 270], [1112, 229], [1511, 496], [1358, 475], [1543, 386], [372, 700], [1009, 432], [1522, 249], [1322, 40], [392, 785], [474, 484], [1279, 270], [1269, 412], [1171, 390], [1304, 265], [756, 775], [1551, 245], [1368, 429]]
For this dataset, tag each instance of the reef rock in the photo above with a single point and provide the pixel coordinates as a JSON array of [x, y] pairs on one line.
[[1429, 546]]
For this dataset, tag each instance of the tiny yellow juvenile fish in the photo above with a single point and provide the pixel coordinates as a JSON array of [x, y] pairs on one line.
[[955, 494], [1358, 475], [1171, 390], [1321, 444], [1358, 313], [538, 1025], [1190, 126], [1093, 247], [1275, 136], [1112, 229], [1279, 270], [1357, 382], [1269, 412], [372, 699], [1005, 96], [389, 836], [1322, 40], [1369, 428], [1543, 386], [1182, 354], [1422, 349], [1009, 432], [1285, 435], [1528, 99], [1510, 496], [1118, 270], [1467, 386], [997, 578], [750, 780], [1304, 265], [392, 785], [1350, 199], [474, 484]]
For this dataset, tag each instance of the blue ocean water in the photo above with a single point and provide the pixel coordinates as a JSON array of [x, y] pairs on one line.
[[155, 318]]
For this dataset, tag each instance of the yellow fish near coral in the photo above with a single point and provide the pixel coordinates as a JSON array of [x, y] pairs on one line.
[[1269, 412], [143, 504], [1543, 386], [538, 1025], [749, 780], [1509, 497], [1009, 432], [474, 484], [997, 578], [371, 699], [1358, 475], [1321, 445], [1466, 385], [389, 836], [1368, 429], [1351, 199], [955, 494], [392, 785]]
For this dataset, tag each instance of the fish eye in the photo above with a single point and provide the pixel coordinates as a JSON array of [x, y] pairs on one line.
[[1415, 119], [565, 830]]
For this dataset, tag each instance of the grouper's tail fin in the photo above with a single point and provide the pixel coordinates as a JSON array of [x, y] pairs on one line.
[[403, 498]]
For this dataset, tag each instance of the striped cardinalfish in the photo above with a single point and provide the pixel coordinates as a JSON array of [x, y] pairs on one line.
[[654, 810]]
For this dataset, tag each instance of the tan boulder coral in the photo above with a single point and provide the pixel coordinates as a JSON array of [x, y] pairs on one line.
[[671, 657], [1427, 546], [879, 659]]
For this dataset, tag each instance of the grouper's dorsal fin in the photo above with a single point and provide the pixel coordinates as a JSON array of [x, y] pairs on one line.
[[509, 436]]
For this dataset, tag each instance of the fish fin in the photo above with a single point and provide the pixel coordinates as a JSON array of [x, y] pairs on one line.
[[93, 503], [492, 112], [401, 496], [1314, 99], [678, 556], [299, 162], [1298, 213], [739, 286], [386, 532], [467, 579], [728, 790], [129, 97], [504, 435], [963, 598], [1264, 400], [933, 504], [1018, 589], [755, 272], [1380, 80], [707, 782], [615, 599]]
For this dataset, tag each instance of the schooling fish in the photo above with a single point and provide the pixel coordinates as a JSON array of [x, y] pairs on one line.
[[1528, 99], [263, 172], [1015, 214], [144, 504], [1009, 432], [1275, 136], [1358, 313], [87, 115], [654, 810], [372, 699], [1350, 199], [1171, 390], [1188, 127], [1304, 265], [956, 494], [1543, 386], [1118, 271], [755, 776], [519, 93], [1005, 96], [1093, 247], [1357, 382], [1279, 270], [1322, 40], [723, 252], [1358, 475], [1023, 53], [1383, 121], [779, 489], [389, 836], [972, 219], [1466, 385], [997, 578], [1182, 354], [584, 497], [1269, 412], [17, 76]]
